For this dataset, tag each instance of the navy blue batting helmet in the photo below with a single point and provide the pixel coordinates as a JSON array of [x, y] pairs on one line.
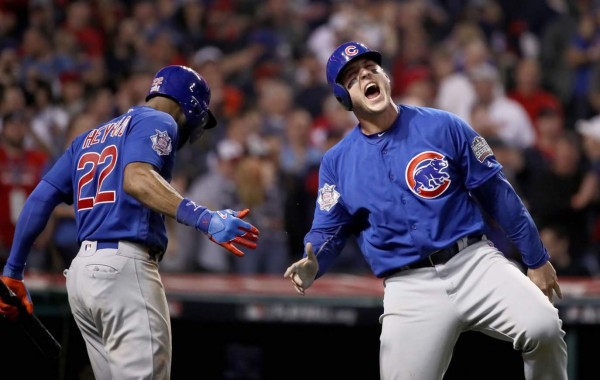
[[341, 56], [191, 91]]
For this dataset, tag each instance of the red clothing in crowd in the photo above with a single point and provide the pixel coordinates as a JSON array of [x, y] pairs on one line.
[[18, 178]]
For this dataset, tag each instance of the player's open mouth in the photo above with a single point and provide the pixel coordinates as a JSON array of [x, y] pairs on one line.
[[372, 91]]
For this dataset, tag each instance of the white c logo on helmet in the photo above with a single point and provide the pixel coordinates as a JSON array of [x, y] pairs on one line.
[[351, 51]]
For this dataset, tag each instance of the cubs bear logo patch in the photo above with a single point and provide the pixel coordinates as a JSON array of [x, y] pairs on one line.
[[161, 143], [328, 197], [426, 175]]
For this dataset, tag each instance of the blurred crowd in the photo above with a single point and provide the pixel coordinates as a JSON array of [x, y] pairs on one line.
[[526, 77]]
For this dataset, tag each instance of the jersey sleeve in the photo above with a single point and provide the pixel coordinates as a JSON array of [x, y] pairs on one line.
[[59, 175], [473, 154], [331, 223], [498, 198], [32, 220], [151, 139]]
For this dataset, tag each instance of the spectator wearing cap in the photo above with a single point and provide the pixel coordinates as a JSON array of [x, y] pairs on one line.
[[215, 189], [226, 99], [511, 121]]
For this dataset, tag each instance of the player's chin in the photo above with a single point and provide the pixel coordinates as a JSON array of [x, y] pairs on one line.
[[375, 105]]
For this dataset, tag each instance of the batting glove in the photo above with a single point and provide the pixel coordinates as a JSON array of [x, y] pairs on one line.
[[10, 310], [224, 227]]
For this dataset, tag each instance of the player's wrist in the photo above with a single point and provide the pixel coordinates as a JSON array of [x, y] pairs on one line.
[[194, 215], [15, 273]]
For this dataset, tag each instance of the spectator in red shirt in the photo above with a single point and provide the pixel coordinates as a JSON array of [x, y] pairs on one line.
[[529, 92], [20, 171]]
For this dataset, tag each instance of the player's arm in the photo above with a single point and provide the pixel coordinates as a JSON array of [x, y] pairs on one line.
[[328, 245], [498, 198], [327, 236], [145, 184], [224, 227]]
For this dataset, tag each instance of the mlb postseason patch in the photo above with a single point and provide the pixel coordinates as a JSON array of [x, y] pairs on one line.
[[328, 197], [161, 143], [481, 149]]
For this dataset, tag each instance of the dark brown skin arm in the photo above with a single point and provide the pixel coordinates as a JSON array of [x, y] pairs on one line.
[[143, 182]]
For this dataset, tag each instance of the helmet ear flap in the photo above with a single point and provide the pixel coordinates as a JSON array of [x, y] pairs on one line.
[[342, 95]]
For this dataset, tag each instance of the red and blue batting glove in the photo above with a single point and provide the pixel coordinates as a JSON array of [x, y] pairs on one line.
[[18, 287], [224, 227]]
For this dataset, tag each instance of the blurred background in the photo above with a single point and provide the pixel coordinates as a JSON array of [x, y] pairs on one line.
[[524, 74]]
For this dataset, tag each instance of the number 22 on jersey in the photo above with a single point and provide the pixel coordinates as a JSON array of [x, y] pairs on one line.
[[97, 168]]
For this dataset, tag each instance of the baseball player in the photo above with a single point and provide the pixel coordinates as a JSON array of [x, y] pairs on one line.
[[408, 181], [117, 178]]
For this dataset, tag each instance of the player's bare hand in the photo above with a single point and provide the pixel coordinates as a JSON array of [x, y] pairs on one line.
[[545, 278], [302, 273]]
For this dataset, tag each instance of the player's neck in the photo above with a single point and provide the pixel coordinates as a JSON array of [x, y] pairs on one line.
[[376, 123]]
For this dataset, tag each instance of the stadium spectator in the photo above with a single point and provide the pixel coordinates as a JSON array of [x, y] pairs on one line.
[[20, 170], [528, 92], [556, 239], [511, 123]]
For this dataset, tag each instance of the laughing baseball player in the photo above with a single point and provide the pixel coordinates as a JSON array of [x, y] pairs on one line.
[[410, 182], [117, 178]]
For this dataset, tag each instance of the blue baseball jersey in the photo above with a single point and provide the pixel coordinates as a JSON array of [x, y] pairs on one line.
[[90, 175], [404, 192]]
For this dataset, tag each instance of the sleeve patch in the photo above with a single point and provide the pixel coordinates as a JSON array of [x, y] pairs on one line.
[[481, 149], [161, 143], [328, 197]]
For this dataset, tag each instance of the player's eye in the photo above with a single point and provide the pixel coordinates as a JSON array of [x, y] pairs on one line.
[[350, 77], [351, 83]]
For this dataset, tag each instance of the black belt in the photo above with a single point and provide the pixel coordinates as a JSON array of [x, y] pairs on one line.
[[441, 256], [155, 254]]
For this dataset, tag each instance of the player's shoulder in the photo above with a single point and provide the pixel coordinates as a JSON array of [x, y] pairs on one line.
[[143, 112], [428, 112], [144, 115], [434, 121], [344, 144]]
